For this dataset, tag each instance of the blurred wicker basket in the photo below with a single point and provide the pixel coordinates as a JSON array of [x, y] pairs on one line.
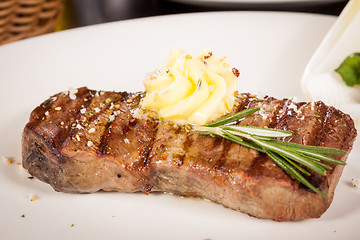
[[27, 18]]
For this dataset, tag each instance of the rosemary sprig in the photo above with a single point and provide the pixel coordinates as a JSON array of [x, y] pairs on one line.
[[293, 158]]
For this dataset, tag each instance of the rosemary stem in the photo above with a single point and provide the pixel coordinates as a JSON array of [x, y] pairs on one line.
[[292, 172], [291, 157]]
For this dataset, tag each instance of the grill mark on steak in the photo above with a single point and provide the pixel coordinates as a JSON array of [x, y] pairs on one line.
[[91, 125], [220, 163], [150, 155], [217, 142], [308, 134], [81, 95], [56, 136], [105, 137], [148, 145]]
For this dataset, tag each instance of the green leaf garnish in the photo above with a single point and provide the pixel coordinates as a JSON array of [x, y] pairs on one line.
[[349, 70], [293, 158]]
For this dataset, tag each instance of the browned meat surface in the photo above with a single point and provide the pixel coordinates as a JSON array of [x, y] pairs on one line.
[[92, 141]]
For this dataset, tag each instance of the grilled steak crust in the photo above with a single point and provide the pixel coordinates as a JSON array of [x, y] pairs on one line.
[[93, 141]]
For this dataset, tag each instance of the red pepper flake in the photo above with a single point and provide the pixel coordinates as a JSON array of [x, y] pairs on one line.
[[164, 157], [207, 56], [113, 125], [236, 72]]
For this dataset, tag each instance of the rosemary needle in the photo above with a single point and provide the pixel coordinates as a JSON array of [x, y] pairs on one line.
[[286, 155], [234, 117]]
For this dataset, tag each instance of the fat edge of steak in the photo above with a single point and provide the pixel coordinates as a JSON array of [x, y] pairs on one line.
[[92, 141]]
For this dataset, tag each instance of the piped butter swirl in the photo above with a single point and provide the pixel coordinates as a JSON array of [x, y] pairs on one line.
[[192, 89]]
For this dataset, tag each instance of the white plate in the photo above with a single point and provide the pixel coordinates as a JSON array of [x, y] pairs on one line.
[[270, 49], [283, 3]]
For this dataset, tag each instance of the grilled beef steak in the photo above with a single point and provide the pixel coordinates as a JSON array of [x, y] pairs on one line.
[[92, 140]]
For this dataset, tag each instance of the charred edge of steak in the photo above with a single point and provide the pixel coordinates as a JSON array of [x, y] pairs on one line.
[[45, 163], [66, 108], [311, 124], [85, 144], [89, 128]]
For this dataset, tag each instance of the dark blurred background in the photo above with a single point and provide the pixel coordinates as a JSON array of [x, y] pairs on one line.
[[88, 12]]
